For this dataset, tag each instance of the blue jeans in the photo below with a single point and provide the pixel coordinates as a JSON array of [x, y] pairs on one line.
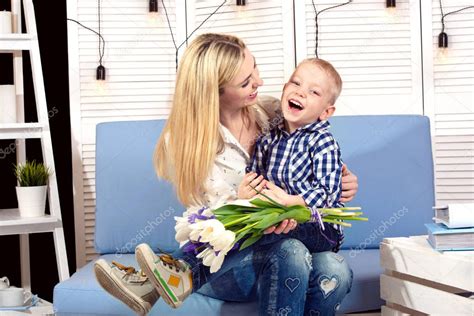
[[281, 273]]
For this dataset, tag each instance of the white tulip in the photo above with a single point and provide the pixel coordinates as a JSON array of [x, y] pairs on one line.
[[208, 256], [194, 234], [217, 262], [210, 229], [203, 253], [224, 242], [183, 234]]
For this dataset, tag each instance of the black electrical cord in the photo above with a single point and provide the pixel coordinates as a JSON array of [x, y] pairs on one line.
[[101, 51], [186, 40], [100, 72], [443, 16], [316, 13]]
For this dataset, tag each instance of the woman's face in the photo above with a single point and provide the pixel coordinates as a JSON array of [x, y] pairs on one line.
[[242, 90]]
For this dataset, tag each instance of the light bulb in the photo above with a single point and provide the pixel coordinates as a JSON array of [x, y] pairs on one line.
[[442, 55], [101, 83], [101, 87], [152, 18]]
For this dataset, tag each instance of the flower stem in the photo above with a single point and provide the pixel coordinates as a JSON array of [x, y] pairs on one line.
[[238, 220], [246, 227]]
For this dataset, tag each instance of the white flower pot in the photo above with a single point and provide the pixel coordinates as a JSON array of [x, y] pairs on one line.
[[31, 200]]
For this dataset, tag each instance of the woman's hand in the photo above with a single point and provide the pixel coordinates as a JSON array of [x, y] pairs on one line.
[[349, 185], [285, 227], [246, 188]]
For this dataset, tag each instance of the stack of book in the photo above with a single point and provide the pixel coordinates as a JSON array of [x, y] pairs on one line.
[[453, 227]]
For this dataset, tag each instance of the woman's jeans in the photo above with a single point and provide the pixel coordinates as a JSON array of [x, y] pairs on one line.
[[285, 273]]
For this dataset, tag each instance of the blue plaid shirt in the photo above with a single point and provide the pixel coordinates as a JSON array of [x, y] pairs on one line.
[[306, 163]]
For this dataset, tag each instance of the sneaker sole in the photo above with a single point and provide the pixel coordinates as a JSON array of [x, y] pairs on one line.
[[118, 291], [145, 266]]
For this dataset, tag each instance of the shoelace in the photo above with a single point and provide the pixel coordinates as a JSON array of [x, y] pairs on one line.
[[168, 259], [129, 270]]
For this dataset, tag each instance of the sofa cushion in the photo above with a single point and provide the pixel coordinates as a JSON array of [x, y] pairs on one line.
[[81, 294], [391, 156]]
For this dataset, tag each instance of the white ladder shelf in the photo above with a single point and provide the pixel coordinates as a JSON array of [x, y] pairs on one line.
[[10, 221]]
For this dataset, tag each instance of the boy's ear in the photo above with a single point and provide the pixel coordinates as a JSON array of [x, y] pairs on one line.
[[327, 113]]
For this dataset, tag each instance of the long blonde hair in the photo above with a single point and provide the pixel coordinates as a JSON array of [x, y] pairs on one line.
[[190, 140]]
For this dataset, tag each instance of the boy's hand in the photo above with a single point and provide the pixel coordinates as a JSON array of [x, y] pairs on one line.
[[246, 188], [349, 185], [279, 195], [276, 193]]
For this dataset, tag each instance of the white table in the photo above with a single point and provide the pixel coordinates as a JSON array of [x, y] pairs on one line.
[[42, 308], [419, 280]]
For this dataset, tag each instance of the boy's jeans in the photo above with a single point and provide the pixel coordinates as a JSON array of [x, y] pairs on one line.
[[281, 273]]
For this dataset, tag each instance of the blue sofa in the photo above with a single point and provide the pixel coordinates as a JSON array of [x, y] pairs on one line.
[[391, 156]]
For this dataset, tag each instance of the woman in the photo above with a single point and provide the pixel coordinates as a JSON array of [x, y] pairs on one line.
[[203, 150]]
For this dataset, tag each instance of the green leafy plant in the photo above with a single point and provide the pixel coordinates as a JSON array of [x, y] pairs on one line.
[[32, 174]]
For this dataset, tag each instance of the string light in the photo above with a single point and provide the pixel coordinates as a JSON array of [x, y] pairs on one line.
[[186, 40], [316, 14], [153, 12], [153, 7], [443, 36], [391, 8], [391, 3], [100, 72], [240, 2]]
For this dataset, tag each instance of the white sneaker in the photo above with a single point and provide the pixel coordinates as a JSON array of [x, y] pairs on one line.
[[172, 278], [127, 285]]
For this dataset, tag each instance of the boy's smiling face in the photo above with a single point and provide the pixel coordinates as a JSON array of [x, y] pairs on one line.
[[307, 96]]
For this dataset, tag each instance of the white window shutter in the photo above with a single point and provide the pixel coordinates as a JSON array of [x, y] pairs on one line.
[[378, 55], [266, 27], [140, 62], [452, 109]]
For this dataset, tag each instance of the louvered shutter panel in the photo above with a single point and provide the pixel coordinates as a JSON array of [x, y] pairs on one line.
[[140, 62], [453, 75], [378, 55], [265, 26]]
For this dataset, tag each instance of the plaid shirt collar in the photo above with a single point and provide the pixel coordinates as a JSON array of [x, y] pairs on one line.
[[316, 126]]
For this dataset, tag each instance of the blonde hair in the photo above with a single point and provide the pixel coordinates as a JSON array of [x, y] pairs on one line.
[[190, 140], [331, 72]]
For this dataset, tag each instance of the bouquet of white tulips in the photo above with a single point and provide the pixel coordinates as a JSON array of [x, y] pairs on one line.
[[213, 233]]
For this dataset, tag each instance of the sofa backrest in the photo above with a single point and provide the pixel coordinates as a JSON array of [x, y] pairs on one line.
[[132, 204], [391, 156]]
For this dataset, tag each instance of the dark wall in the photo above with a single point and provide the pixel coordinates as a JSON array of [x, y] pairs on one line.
[[52, 33]]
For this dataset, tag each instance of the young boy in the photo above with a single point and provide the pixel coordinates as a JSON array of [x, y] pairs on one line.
[[300, 158]]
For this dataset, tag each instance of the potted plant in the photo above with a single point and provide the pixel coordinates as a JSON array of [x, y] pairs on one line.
[[32, 187]]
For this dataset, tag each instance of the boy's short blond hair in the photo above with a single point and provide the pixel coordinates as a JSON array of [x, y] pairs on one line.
[[331, 72]]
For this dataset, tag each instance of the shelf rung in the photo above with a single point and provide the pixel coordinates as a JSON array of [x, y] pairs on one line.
[[15, 42], [11, 223], [20, 130]]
